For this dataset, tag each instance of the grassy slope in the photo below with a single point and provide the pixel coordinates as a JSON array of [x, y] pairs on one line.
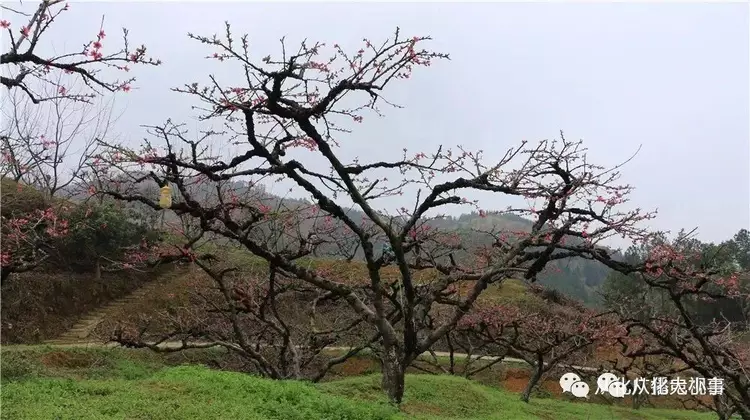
[[103, 384]]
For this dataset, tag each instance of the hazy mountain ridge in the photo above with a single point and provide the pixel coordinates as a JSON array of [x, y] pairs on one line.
[[575, 277]]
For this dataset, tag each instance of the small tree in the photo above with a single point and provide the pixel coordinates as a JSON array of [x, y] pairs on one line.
[[46, 145], [100, 236], [487, 330], [544, 335]]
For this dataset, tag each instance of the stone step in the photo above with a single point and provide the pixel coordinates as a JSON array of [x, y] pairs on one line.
[[90, 317], [94, 314], [84, 325], [76, 333], [78, 330]]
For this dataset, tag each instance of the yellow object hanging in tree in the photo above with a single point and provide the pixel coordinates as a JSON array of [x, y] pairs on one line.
[[165, 199]]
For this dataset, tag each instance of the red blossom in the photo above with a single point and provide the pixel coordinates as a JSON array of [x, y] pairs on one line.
[[4, 24], [307, 142], [96, 55]]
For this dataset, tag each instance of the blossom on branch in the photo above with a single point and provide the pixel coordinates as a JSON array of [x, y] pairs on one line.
[[23, 63]]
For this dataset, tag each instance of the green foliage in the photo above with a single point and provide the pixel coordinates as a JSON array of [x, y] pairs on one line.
[[40, 361], [620, 288], [120, 383], [94, 231], [566, 278], [16, 366], [726, 258], [741, 248], [180, 393], [99, 231]]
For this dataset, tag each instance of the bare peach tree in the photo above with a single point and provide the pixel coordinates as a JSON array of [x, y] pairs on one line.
[[282, 113], [46, 145]]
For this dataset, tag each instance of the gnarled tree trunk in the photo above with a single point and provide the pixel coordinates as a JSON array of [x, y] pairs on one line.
[[535, 377], [393, 374]]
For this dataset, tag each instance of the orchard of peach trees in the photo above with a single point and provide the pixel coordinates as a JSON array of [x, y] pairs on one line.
[[422, 288]]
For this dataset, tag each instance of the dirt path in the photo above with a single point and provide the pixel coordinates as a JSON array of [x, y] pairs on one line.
[[425, 356]]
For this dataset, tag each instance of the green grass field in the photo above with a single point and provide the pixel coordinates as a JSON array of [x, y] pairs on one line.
[[44, 383]]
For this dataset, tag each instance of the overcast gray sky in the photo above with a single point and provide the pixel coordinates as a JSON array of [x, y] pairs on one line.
[[670, 77]]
